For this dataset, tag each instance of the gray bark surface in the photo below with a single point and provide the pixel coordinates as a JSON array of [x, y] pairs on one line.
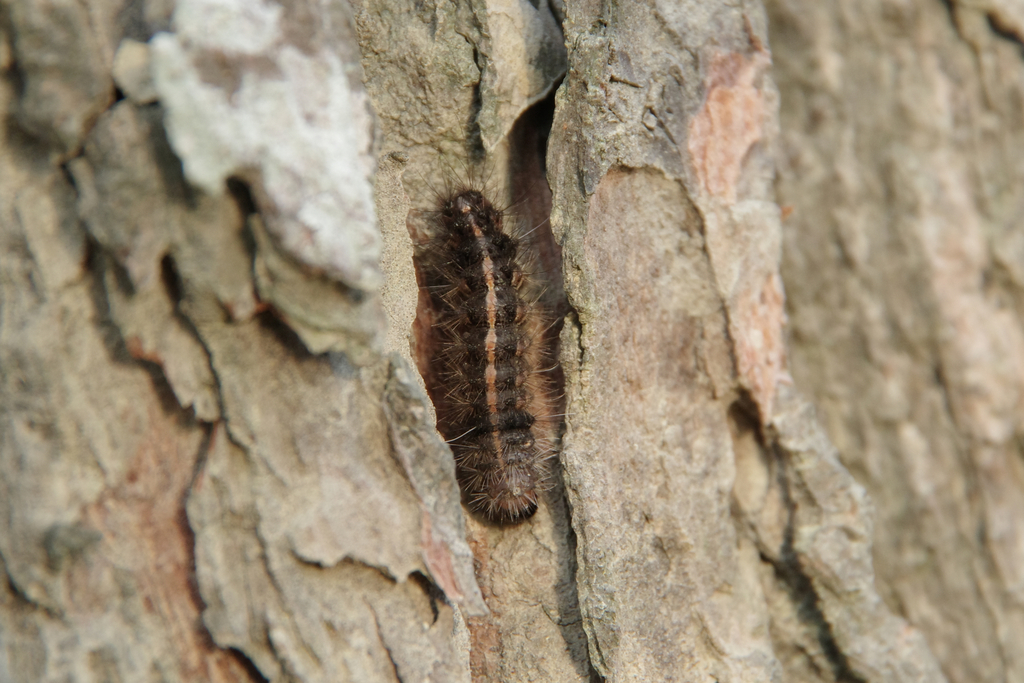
[[904, 268], [787, 237]]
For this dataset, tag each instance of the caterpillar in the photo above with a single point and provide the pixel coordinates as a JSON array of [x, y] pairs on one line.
[[486, 339]]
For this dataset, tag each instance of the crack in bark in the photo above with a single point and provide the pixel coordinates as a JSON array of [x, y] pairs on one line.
[[474, 134], [1003, 31], [202, 455], [800, 587], [382, 641], [19, 594]]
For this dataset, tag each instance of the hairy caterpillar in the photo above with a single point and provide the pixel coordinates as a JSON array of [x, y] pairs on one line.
[[486, 337]]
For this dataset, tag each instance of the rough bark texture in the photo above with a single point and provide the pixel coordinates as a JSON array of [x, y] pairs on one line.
[[218, 458], [903, 164]]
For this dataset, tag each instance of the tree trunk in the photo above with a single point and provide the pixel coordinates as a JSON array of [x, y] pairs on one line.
[[785, 255]]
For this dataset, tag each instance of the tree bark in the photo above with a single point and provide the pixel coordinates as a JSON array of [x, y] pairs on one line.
[[787, 241]]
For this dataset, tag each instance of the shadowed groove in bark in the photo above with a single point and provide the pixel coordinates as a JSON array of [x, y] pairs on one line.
[[198, 466], [1004, 32], [474, 135], [98, 262], [384, 644], [994, 22], [569, 599], [171, 279], [533, 199], [242, 194], [798, 583], [432, 591]]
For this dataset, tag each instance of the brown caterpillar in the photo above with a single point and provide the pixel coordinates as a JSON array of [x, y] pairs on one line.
[[487, 323]]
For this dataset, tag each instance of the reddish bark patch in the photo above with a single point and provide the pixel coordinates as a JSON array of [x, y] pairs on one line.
[[138, 351], [148, 545], [758, 318], [729, 123], [438, 559], [485, 637]]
